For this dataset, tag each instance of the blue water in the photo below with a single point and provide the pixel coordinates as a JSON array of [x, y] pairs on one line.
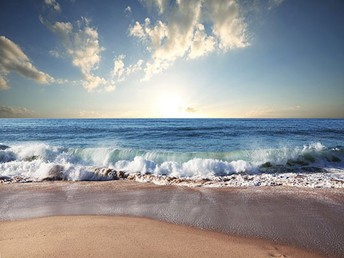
[[182, 135], [171, 146]]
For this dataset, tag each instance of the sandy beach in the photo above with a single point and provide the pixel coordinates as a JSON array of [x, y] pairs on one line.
[[111, 236], [261, 218]]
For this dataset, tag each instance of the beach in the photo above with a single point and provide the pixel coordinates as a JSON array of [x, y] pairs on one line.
[[52, 217], [171, 187], [172, 128], [111, 236]]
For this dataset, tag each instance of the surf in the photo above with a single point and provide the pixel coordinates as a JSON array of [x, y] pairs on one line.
[[39, 161]]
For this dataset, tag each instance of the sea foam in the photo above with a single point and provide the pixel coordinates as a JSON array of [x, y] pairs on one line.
[[40, 161]]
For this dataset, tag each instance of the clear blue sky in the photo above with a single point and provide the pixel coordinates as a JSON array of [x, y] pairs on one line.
[[156, 58]]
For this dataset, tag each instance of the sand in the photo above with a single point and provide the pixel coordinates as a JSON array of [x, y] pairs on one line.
[[307, 219], [113, 236]]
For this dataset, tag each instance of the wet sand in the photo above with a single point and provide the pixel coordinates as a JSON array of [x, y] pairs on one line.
[[311, 219], [110, 236]]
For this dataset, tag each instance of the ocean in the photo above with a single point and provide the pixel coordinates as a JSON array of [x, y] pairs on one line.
[[214, 149]]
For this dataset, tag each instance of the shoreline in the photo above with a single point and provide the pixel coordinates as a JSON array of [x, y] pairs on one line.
[[128, 237], [309, 180], [309, 219]]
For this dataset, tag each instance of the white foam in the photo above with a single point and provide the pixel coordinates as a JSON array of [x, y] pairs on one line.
[[35, 161], [316, 180], [192, 168], [35, 149]]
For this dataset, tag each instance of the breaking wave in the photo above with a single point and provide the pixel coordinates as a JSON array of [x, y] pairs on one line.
[[39, 161]]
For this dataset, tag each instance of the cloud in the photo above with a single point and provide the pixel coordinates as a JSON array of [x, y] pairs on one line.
[[80, 41], [3, 83], [190, 110], [160, 4], [12, 112], [54, 53], [201, 43], [127, 10], [118, 67], [82, 45], [13, 59], [110, 87], [228, 25], [53, 4], [189, 29], [274, 3], [121, 72]]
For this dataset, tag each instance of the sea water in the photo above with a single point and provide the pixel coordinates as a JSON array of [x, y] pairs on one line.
[[182, 148]]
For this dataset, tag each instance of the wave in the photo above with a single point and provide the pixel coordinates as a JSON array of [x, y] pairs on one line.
[[40, 161]]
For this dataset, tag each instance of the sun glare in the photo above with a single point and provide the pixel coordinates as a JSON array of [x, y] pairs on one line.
[[170, 106], [174, 106]]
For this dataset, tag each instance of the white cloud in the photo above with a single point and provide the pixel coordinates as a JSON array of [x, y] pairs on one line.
[[10, 111], [110, 87], [92, 81], [189, 29], [160, 4], [137, 30], [3, 83], [152, 36], [127, 10], [179, 30], [228, 25], [155, 66], [82, 45], [135, 67], [13, 59], [201, 43], [118, 67], [121, 72], [53, 4], [54, 53]]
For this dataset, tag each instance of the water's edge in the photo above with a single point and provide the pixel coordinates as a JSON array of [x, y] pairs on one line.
[[302, 217]]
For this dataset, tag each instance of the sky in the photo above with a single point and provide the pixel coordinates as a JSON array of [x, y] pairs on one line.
[[172, 59]]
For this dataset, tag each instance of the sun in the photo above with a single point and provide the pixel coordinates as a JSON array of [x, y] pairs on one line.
[[175, 106], [170, 106]]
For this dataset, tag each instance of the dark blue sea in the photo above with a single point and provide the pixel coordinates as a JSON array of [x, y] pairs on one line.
[[193, 148]]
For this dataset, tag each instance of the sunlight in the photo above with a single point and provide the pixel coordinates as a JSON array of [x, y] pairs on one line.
[[170, 106]]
